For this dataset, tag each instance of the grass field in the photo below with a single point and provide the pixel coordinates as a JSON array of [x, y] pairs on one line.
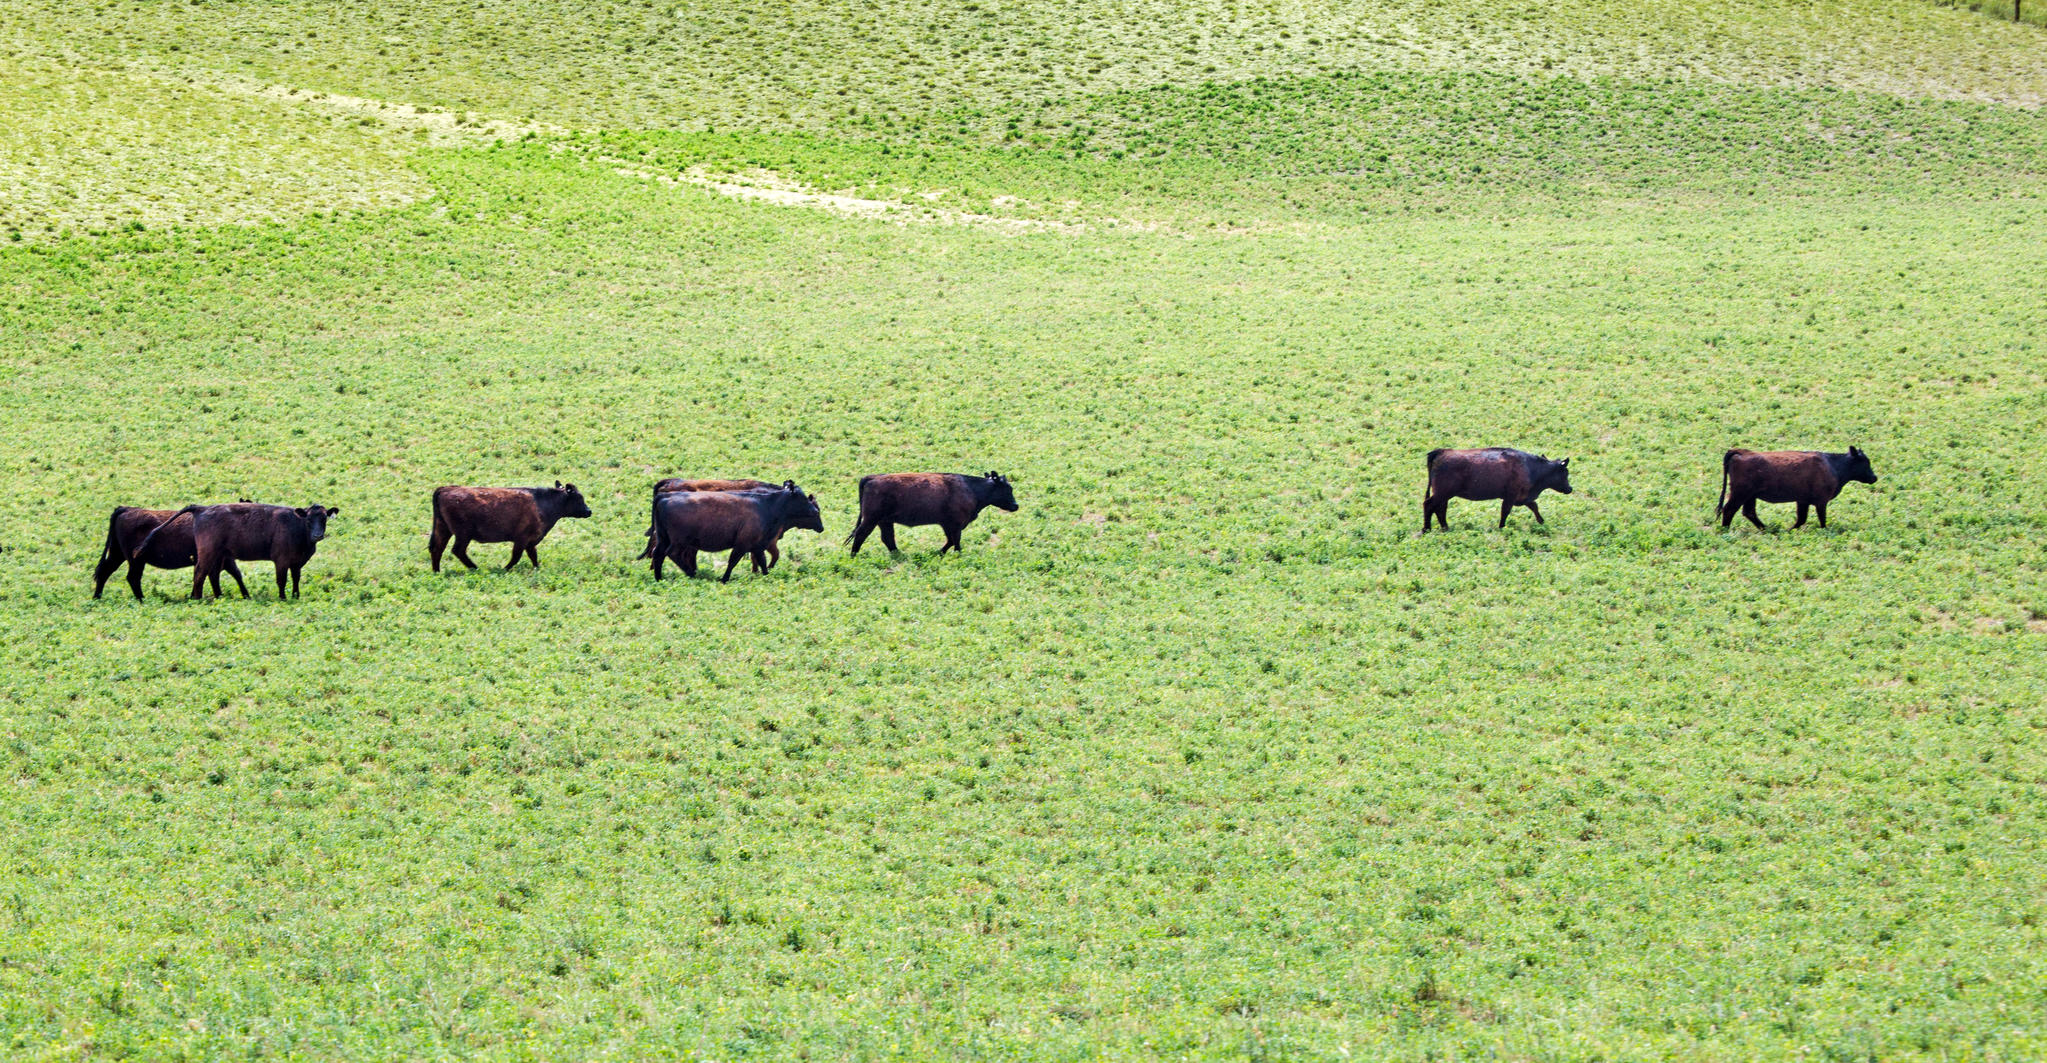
[[1204, 753]]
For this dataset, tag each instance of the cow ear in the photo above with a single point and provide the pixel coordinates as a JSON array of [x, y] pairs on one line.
[[301, 511], [557, 485], [331, 510]]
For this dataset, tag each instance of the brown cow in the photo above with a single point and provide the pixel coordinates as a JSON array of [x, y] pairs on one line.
[[129, 527], [521, 516], [950, 500], [1515, 477], [247, 531], [677, 483], [1810, 478], [744, 522]]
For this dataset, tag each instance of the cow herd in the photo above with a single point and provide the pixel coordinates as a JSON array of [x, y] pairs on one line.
[[747, 518]]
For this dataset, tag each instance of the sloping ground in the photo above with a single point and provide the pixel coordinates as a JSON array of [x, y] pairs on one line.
[[1202, 754], [812, 63], [1335, 150], [94, 150], [130, 113]]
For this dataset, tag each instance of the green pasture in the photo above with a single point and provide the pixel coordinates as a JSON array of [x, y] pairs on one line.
[[1204, 753]]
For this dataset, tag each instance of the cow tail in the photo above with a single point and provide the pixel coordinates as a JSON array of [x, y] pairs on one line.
[[112, 550], [143, 546], [862, 518], [1726, 470], [659, 547], [1431, 485]]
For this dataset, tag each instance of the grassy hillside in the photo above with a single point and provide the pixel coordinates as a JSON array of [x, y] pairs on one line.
[[1205, 753], [178, 110]]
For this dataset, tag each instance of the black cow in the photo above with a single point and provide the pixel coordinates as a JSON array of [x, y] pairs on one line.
[[130, 527], [673, 484], [521, 516], [950, 500], [744, 522], [1811, 478], [1515, 477], [247, 531]]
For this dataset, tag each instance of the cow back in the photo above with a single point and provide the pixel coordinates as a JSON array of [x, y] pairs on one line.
[[712, 520], [1781, 475], [677, 483], [488, 514], [916, 498], [251, 531], [171, 546], [1480, 474]]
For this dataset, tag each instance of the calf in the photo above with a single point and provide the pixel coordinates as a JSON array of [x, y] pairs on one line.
[[130, 527], [948, 499], [677, 483], [521, 516], [248, 531], [1810, 478], [1515, 477], [744, 522]]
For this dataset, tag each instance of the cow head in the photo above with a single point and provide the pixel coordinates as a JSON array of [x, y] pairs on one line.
[[995, 492], [801, 510], [572, 500], [1557, 477], [1858, 467], [316, 520]]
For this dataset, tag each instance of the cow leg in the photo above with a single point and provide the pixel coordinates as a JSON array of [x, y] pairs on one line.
[[1506, 507], [952, 538], [860, 533], [134, 579], [295, 570], [531, 556], [1748, 509], [888, 538], [106, 568], [731, 563], [760, 562], [1537, 512], [1800, 522], [1442, 513], [774, 555], [283, 574], [461, 551], [1428, 510], [1822, 507], [659, 557], [688, 560], [437, 542], [235, 571]]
